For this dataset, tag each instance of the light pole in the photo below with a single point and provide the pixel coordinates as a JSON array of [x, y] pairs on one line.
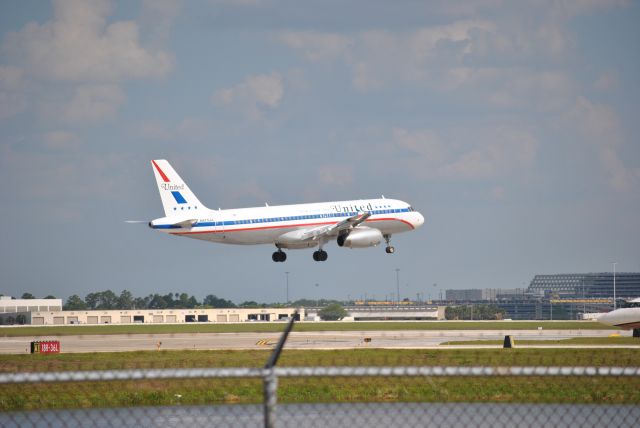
[[614, 285], [584, 302], [398, 284], [287, 276]]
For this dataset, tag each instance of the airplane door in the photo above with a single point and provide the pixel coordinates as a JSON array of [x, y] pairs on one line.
[[219, 229]]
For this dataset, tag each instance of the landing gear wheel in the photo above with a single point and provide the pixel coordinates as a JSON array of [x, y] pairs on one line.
[[320, 256], [389, 249], [279, 256]]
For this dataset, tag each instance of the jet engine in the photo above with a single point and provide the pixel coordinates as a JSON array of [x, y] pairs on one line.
[[361, 237]]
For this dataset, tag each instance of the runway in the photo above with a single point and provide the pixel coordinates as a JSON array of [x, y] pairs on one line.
[[409, 339], [347, 414]]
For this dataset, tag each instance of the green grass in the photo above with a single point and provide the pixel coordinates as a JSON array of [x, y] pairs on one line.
[[571, 341], [278, 327], [298, 390]]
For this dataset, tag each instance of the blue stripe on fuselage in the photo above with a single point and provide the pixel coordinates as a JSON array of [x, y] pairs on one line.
[[257, 221]]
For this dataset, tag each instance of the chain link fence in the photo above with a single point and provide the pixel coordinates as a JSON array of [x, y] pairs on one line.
[[316, 388]]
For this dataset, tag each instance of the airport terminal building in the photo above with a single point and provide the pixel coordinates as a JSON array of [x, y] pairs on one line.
[[557, 296], [587, 285]]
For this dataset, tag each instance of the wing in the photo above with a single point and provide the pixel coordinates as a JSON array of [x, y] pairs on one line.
[[333, 229]]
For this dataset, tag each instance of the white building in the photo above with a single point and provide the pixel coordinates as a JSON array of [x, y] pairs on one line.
[[151, 316], [7, 304]]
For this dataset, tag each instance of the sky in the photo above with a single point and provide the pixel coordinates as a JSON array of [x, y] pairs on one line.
[[511, 126]]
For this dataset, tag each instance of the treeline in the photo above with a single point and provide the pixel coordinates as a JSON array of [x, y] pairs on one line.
[[474, 312], [31, 296], [110, 300]]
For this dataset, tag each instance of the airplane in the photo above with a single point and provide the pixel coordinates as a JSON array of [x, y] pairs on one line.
[[352, 224], [625, 318]]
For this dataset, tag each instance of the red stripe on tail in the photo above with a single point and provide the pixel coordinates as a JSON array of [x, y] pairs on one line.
[[164, 177]]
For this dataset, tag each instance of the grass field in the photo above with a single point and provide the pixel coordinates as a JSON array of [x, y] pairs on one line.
[[573, 341], [608, 390], [315, 326]]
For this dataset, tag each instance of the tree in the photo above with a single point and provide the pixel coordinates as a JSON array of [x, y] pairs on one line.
[[168, 300], [216, 302], [74, 303], [158, 302], [141, 302], [125, 300], [107, 300], [183, 301], [476, 312], [28, 296], [50, 297], [92, 300], [248, 304], [332, 312]]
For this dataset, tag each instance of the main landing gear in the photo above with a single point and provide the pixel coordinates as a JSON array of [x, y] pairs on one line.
[[390, 249], [279, 256], [320, 256]]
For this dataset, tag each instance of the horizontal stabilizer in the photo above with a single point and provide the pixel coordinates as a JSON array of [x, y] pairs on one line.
[[166, 223]]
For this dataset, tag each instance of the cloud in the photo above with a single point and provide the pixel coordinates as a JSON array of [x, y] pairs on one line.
[[155, 130], [238, 2], [606, 81], [188, 129], [599, 126], [61, 140], [494, 153], [158, 17], [502, 36], [316, 46], [92, 103], [507, 150], [336, 175], [254, 95], [424, 143], [78, 45], [542, 90], [377, 58], [72, 177], [12, 101], [11, 78], [498, 193]]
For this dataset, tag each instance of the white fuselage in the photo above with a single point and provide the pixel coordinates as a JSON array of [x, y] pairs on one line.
[[265, 225], [627, 318]]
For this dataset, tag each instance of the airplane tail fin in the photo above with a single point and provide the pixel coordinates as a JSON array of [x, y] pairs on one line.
[[176, 196]]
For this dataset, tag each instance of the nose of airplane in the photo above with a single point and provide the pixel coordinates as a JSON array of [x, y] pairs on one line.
[[418, 219]]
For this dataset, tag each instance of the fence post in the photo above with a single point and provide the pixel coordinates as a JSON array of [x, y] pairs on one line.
[[270, 398], [270, 378]]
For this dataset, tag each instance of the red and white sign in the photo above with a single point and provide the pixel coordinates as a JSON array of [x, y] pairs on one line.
[[45, 347]]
